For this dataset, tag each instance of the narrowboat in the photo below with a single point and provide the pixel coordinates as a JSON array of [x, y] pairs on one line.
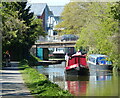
[[99, 62], [77, 64]]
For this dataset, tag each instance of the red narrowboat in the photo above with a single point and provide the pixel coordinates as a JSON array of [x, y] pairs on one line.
[[77, 64]]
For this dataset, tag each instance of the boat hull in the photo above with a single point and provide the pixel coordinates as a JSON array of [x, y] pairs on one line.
[[77, 71], [100, 67]]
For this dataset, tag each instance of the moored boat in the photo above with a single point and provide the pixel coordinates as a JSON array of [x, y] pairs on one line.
[[77, 64], [99, 62]]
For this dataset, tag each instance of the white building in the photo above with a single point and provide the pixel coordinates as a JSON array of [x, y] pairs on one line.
[[51, 16], [53, 20]]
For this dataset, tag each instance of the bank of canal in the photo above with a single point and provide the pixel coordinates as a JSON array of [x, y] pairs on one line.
[[38, 83], [98, 83]]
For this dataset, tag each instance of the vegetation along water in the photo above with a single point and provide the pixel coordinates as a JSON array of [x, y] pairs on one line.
[[98, 27], [97, 24], [38, 83]]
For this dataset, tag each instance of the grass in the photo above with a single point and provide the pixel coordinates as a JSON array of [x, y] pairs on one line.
[[33, 60], [38, 84]]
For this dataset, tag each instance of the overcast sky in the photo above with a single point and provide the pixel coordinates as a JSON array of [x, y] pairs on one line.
[[51, 2]]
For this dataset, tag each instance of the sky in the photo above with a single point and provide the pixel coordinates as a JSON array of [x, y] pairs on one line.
[[51, 2]]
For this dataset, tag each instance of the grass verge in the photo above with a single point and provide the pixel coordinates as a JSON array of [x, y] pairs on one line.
[[38, 84], [33, 60]]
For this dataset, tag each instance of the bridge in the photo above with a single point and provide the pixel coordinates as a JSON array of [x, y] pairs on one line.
[[61, 44], [45, 45]]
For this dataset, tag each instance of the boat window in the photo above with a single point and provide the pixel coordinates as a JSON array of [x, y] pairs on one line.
[[91, 59], [101, 58]]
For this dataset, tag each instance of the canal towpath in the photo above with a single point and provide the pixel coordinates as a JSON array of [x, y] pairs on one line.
[[12, 84]]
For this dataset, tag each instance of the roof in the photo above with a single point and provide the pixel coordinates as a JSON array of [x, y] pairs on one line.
[[37, 8], [57, 10], [69, 37], [97, 55]]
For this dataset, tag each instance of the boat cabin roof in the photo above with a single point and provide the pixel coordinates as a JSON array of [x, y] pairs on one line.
[[74, 55], [97, 55]]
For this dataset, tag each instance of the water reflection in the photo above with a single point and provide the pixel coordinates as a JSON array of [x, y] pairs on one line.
[[98, 83], [77, 88]]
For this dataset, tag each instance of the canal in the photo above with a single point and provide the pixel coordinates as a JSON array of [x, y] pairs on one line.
[[97, 83]]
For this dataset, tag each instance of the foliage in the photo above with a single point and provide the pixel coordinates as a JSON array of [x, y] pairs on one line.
[[33, 60], [20, 29], [11, 26], [115, 10], [39, 85], [97, 23], [73, 17], [99, 34]]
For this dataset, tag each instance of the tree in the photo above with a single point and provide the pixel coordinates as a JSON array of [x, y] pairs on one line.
[[74, 17], [95, 24], [20, 29], [11, 26], [115, 10], [100, 31]]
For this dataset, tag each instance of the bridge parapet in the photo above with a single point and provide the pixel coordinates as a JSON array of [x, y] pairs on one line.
[[61, 44]]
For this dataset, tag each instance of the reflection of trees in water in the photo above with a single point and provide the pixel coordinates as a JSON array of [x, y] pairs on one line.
[[99, 83], [102, 85]]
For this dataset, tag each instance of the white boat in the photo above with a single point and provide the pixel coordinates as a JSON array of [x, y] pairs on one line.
[[99, 61]]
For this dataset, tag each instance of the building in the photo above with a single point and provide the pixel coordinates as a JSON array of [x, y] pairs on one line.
[[50, 15], [53, 21]]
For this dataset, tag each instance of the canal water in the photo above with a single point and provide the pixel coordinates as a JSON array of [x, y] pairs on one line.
[[97, 83]]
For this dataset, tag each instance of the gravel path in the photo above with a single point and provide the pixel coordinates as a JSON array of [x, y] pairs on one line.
[[12, 83]]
